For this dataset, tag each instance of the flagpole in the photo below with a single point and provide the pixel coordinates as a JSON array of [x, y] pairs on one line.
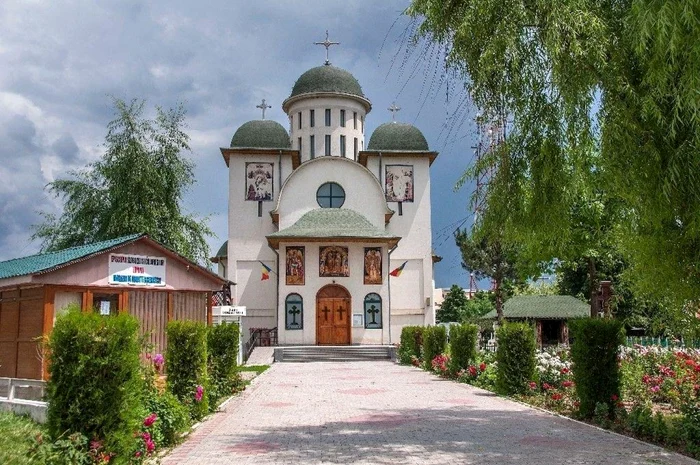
[[388, 277]]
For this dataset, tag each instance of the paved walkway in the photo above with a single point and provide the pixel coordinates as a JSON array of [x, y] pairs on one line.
[[261, 356], [379, 412]]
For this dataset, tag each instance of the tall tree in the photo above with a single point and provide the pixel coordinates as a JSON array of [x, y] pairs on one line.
[[490, 258], [136, 187], [453, 306], [590, 87]]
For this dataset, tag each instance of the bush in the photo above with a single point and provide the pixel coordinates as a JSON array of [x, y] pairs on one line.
[[434, 340], [172, 417], [95, 387], [515, 357], [595, 366], [186, 364], [222, 351], [411, 343], [462, 346]]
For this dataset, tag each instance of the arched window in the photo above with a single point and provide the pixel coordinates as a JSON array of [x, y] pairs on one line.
[[330, 195], [294, 312], [373, 311]]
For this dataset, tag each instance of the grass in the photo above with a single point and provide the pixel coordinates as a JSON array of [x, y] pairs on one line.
[[16, 435], [256, 368]]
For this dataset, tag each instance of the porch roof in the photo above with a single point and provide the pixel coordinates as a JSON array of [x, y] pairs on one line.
[[332, 224]]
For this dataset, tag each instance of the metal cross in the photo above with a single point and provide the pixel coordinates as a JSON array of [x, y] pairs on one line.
[[327, 43], [393, 109], [263, 106]]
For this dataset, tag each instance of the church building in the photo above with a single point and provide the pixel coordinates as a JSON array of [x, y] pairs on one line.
[[329, 237]]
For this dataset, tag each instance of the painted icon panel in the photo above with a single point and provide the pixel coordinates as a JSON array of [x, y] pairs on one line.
[[373, 265], [399, 183], [259, 181], [333, 262], [295, 266]]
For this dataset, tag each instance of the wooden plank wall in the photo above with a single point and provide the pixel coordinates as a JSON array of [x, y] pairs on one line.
[[151, 309], [21, 327], [190, 306]]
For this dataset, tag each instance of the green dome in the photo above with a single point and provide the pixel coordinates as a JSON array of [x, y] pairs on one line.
[[327, 78], [398, 137], [223, 251], [261, 134]]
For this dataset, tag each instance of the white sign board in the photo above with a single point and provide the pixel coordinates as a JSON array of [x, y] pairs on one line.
[[136, 270]]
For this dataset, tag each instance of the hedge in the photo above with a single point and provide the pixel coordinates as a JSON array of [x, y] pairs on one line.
[[515, 356], [95, 386], [462, 346], [596, 342], [434, 340], [186, 364], [411, 343], [222, 351]]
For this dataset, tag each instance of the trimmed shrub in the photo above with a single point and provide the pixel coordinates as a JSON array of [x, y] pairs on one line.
[[173, 417], [95, 386], [462, 346], [411, 343], [186, 364], [515, 358], [434, 340], [222, 351], [595, 367]]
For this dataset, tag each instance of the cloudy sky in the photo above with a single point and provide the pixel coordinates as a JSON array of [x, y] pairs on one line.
[[61, 62]]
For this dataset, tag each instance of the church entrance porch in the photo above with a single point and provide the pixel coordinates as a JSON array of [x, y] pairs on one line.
[[333, 315]]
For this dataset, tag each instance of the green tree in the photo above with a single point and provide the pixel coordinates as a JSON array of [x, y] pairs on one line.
[[489, 258], [589, 87], [136, 187], [454, 305]]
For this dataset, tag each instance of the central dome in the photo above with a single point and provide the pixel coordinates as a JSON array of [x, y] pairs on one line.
[[327, 78]]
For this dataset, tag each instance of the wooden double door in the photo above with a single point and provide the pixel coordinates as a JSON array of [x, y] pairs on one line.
[[333, 315]]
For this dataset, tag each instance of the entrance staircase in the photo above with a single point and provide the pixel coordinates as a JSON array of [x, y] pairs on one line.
[[334, 353]]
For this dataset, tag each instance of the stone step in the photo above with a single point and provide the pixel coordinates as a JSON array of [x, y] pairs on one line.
[[333, 353]]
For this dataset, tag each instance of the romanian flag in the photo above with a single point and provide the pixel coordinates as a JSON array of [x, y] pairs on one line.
[[397, 271], [265, 272]]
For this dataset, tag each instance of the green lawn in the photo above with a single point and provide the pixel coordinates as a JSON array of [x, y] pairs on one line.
[[256, 368], [16, 435]]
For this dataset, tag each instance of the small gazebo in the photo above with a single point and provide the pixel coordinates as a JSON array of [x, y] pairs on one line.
[[549, 312]]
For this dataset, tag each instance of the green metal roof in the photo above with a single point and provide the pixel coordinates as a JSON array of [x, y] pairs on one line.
[[399, 137], [261, 134], [49, 260], [327, 78], [553, 307], [332, 223], [223, 250]]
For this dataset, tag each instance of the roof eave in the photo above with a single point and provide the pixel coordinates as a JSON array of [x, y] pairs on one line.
[[274, 241], [294, 98], [227, 152], [365, 154]]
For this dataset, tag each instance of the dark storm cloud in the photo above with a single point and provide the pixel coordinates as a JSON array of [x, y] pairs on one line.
[[66, 148]]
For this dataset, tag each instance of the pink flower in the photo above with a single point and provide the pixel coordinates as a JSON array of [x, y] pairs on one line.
[[546, 386], [564, 371], [533, 385], [150, 446], [137, 453], [472, 370], [158, 361], [614, 397], [146, 436], [567, 383], [198, 395], [655, 389], [557, 396], [482, 367], [149, 420]]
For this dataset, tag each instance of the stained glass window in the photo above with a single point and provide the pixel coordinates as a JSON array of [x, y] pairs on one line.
[[294, 312], [373, 311]]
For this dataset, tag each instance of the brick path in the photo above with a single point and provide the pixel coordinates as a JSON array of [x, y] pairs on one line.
[[379, 412]]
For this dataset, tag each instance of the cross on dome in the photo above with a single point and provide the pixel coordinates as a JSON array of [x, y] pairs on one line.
[[263, 106], [327, 43], [393, 109]]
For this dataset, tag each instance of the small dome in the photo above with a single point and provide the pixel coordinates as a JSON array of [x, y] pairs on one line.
[[398, 137], [223, 251], [261, 134], [327, 78]]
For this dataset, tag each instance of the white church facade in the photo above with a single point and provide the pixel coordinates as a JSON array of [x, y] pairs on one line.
[[330, 218]]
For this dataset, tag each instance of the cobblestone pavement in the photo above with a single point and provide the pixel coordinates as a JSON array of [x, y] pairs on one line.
[[379, 412]]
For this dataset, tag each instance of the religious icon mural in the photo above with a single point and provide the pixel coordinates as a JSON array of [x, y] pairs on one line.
[[333, 261], [399, 183], [259, 181], [373, 265], [295, 266]]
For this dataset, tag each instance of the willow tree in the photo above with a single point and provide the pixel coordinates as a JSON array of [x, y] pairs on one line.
[[598, 93], [137, 186]]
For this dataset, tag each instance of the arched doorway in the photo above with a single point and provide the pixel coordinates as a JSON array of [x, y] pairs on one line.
[[333, 315]]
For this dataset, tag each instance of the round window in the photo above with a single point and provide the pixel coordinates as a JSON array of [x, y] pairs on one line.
[[330, 195]]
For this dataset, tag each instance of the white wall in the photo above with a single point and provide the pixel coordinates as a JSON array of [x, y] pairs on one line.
[[320, 130], [63, 299], [354, 284], [363, 194]]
